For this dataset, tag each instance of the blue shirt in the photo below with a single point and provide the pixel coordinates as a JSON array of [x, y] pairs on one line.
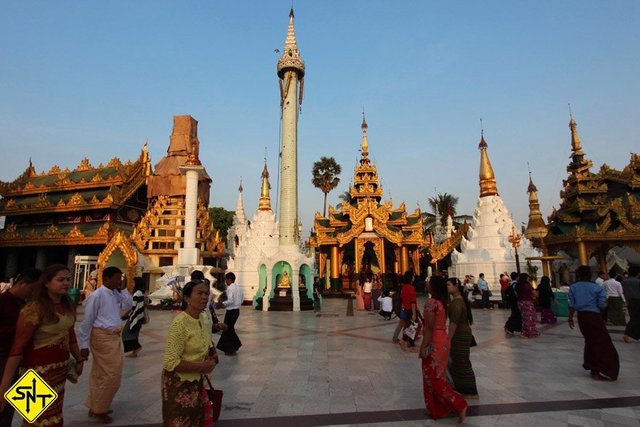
[[587, 296], [483, 285]]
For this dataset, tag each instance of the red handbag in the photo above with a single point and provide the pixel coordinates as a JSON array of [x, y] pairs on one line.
[[215, 398]]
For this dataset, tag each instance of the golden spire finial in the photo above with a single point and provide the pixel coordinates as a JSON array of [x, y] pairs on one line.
[[487, 177], [290, 59], [265, 198], [536, 229], [365, 144], [575, 139]]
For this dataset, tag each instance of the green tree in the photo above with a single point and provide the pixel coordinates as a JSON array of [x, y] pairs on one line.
[[345, 199], [446, 204], [221, 219], [325, 177]]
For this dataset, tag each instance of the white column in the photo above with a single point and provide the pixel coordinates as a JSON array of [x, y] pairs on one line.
[[288, 215], [267, 292], [295, 289], [189, 254]]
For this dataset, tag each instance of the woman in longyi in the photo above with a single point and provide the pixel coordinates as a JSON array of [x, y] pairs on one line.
[[45, 337]]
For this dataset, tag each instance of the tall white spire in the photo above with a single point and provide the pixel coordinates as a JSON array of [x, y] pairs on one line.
[[291, 74], [240, 216]]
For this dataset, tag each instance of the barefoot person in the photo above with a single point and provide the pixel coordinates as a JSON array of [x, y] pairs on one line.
[[587, 299], [100, 330], [439, 398]]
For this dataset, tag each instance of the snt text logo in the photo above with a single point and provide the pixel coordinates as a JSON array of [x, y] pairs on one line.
[[31, 396]]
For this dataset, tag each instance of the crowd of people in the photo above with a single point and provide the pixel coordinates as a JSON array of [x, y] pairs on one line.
[[38, 332]]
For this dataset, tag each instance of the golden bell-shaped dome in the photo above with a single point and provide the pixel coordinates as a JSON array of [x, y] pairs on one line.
[[487, 177]]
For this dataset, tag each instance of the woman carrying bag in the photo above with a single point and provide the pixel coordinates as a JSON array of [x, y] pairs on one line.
[[189, 356]]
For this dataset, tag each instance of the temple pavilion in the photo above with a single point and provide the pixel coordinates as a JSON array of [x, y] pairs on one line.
[[367, 234], [598, 211], [128, 215]]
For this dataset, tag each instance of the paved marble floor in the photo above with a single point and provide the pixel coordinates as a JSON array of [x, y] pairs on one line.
[[332, 369]]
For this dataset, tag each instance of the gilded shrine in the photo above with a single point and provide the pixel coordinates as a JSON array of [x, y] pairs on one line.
[[53, 216], [367, 235], [598, 211], [128, 215]]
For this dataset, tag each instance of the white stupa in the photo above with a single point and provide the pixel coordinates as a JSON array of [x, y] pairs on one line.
[[250, 244], [487, 248]]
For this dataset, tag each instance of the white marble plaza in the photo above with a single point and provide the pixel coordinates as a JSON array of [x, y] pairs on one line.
[[300, 369]]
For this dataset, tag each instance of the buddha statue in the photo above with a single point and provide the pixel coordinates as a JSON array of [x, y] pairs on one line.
[[285, 282]]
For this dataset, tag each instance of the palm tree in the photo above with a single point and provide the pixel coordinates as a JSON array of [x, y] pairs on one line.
[[325, 177], [446, 204], [345, 199]]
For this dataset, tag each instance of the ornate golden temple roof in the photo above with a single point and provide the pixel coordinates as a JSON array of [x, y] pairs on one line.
[[487, 177], [342, 226], [71, 206], [602, 206], [536, 228]]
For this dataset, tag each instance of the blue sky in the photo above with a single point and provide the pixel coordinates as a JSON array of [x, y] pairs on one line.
[[97, 79]]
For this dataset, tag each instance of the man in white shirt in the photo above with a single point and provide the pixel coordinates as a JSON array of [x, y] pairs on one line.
[[602, 276], [100, 331], [229, 342], [614, 313]]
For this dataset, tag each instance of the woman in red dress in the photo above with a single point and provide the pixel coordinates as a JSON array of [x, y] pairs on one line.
[[44, 339], [439, 397]]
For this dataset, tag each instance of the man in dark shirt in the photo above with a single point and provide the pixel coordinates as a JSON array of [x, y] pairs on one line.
[[11, 302], [631, 290]]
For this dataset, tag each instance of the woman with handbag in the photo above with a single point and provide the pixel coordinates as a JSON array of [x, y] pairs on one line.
[[461, 338], [189, 356], [440, 399], [135, 320]]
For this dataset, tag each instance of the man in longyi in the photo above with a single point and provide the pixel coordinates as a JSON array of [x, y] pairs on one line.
[[100, 332], [587, 299]]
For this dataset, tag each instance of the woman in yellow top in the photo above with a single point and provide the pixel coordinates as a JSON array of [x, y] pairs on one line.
[[44, 338], [189, 355]]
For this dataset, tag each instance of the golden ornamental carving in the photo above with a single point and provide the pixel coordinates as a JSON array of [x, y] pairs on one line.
[[114, 163], [10, 232], [97, 178], [108, 199], [28, 186], [94, 200], [63, 181], [103, 231], [351, 234], [54, 170], [76, 200], [61, 204], [52, 232], [11, 204], [603, 227], [75, 233], [32, 235], [120, 242], [43, 201], [84, 166]]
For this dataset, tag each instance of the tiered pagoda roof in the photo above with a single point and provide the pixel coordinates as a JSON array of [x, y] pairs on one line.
[[80, 206], [342, 226], [596, 207]]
